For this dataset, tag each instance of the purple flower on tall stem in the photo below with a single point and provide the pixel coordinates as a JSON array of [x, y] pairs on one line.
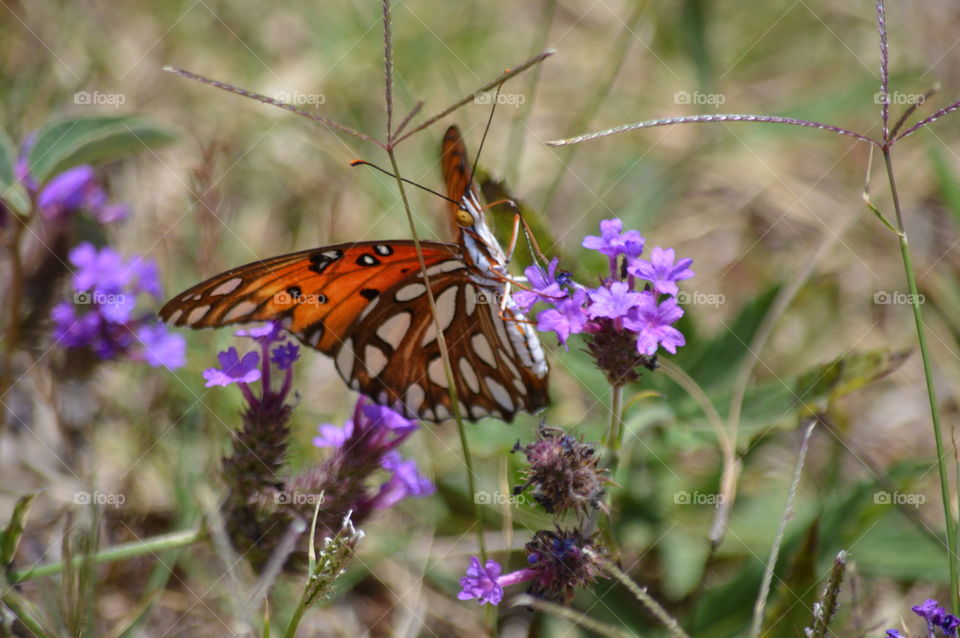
[[234, 369], [661, 270]]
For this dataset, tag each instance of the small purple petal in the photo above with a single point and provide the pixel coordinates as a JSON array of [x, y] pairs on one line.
[[332, 435], [613, 301], [652, 323], [481, 582], [162, 348], [661, 270], [285, 355], [233, 369], [264, 334], [67, 192]]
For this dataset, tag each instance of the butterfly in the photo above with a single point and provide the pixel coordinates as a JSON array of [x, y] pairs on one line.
[[365, 305]]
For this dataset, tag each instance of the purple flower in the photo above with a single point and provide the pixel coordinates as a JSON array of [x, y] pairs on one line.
[[481, 582], [285, 355], [77, 189], [332, 435], [72, 330], [405, 481], [612, 243], [544, 286], [652, 323], [161, 348], [233, 369], [264, 334], [661, 270], [613, 301], [100, 271], [893, 633], [567, 317]]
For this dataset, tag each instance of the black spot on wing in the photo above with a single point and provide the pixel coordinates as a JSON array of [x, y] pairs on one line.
[[369, 293], [366, 259]]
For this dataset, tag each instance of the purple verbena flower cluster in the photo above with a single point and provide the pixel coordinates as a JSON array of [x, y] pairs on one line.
[[374, 433], [254, 366], [102, 314], [632, 309], [936, 617]]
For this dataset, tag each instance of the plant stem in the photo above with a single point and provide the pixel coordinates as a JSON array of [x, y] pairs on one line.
[[118, 552], [444, 355], [928, 377], [613, 441]]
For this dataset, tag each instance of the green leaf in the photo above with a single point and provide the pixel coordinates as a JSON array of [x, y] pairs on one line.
[[11, 191], [10, 537], [92, 140]]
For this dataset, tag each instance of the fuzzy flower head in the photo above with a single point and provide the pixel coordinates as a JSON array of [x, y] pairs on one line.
[[564, 473], [562, 562]]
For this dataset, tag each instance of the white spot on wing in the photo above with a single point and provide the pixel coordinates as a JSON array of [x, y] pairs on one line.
[[176, 315], [395, 329], [197, 314], [228, 286], [470, 299], [242, 309], [500, 394], [445, 266], [436, 373], [415, 397], [447, 307], [410, 291], [442, 412], [345, 358], [482, 347], [469, 374], [369, 308], [375, 360]]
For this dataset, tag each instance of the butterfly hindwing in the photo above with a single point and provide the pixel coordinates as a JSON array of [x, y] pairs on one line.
[[393, 354]]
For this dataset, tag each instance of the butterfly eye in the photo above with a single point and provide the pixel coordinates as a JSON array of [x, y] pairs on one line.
[[464, 218]]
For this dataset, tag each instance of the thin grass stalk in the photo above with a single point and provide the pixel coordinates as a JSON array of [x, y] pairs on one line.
[[827, 606], [640, 593], [761, 604], [445, 357], [931, 388], [118, 552], [577, 618]]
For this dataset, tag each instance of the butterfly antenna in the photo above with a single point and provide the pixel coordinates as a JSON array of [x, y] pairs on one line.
[[358, 162], [486, 129]]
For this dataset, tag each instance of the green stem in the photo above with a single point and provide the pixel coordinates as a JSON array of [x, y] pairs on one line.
[[928, 377], [444, 355], [613, 440], [118, 552]]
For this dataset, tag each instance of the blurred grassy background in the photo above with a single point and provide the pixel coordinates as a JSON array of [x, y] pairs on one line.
[[751, 205]]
